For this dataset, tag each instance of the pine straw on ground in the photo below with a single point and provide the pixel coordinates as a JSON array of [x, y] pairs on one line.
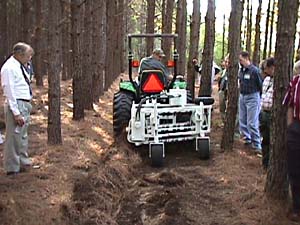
[[92, 179]]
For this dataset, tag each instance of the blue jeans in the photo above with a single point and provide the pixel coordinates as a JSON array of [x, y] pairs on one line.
[[249, 108]]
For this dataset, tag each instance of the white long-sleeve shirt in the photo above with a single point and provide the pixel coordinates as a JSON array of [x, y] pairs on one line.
[[14, 84]]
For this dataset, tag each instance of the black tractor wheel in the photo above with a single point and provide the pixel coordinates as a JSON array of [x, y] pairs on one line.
[[203, 147], [121, 111]]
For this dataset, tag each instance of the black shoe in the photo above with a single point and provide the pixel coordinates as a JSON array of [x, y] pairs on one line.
[[11, 173]]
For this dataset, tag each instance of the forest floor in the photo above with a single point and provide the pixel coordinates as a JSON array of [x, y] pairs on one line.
[[94, 179]]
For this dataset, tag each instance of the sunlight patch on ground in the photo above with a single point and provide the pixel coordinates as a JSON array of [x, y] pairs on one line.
[[104, 136]]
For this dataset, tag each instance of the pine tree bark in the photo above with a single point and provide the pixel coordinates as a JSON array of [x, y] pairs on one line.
[[223, 37], [277, 183], [99, 50], [66, 43], [78, 98], [167, 27], [87, 59], [37, 60], [194, 45], [267, 30], [208, 51], [3, 31], [150, 25], [271, 27], [27, 20], [181, 23], [256, 51], [120, 39], [249, 26], [110, 68], [234, 47], [54, 119]]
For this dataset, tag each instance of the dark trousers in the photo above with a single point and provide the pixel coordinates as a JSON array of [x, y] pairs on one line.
[[264, 127], [293, 157]]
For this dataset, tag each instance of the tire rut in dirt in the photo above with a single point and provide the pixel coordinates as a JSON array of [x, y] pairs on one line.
[[153, 199]]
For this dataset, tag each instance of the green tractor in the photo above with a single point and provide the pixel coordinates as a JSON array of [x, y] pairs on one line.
[[154, 113]]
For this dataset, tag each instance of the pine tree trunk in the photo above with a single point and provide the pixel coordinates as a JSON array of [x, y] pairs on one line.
[[256, 52], [150, 25], [272, 27], [54, 119], [99, 50], [181, 23], [267, 30], [37, 60], [66, 46], [223, 37], [208, 51], [44, 44], [194, 45], [27, 20], [4, 49], [167, 27], [249, 26], [87, 59], [110, 68], [277, 183], [234, 46], [78, 105], [120, 39]]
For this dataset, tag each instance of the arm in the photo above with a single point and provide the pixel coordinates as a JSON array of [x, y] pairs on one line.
[[8, 84]]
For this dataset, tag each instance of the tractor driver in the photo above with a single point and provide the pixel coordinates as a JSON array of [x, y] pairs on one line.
[[153, 62]]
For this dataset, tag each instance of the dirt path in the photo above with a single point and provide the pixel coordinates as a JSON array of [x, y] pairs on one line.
[[94, 179]]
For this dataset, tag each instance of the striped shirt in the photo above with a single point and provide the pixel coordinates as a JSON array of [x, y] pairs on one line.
[[292, 97], [267, 94]]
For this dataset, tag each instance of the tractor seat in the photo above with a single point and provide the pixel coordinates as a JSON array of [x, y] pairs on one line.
[[205, 100], [152, 82]]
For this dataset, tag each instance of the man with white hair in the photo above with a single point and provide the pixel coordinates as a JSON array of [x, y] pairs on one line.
[[17, 91]]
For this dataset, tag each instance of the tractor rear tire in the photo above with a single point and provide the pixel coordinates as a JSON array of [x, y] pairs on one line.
[[121, 111]]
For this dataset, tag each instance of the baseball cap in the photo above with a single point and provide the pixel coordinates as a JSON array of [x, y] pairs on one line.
[[159, 52]]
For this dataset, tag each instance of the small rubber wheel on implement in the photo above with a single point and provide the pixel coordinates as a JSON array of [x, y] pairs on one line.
[[203, 148], [157, 154]]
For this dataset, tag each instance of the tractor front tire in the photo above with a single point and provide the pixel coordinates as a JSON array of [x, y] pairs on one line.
[[121, 111]]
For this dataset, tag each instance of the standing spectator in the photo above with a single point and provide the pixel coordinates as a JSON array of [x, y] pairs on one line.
[[249, 101], [215, 70], [223, 88], [292, 101], [17, 107], [266, 107]]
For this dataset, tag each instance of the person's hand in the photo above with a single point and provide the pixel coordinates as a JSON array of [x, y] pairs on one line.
[[194, 61], [19, 120]]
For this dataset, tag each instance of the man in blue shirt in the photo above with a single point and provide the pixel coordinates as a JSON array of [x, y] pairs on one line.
[[250, 82]]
